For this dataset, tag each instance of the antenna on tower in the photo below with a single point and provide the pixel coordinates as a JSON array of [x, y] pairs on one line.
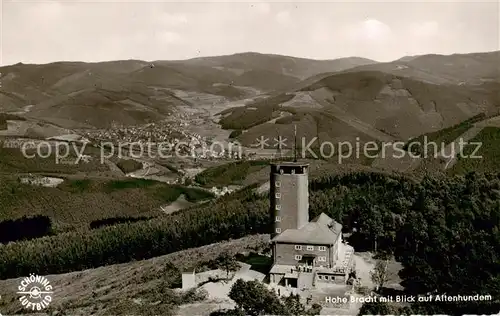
[[295, 143], [279, 146]]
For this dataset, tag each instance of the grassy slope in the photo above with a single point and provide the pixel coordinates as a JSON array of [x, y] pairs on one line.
[[109, 290]]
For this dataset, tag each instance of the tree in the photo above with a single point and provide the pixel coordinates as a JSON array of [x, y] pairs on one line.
[[227, 263], [379, 275], [254, 299], [376, 308], [227, 312], [315, 309], [293, 305]]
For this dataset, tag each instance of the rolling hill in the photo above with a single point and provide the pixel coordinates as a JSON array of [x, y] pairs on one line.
[[300, 68], [473, 68], [376, 104], [401, 99], [135, 92]]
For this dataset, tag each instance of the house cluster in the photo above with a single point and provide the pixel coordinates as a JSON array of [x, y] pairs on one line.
[[306, 254], [220, 192], [40, 180], [165, 131], [27, 143]]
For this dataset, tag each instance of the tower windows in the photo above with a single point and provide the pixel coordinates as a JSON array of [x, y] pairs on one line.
[[298, 247], [298, 257], [278, 195], [278, 218], [278, 230], [278, 184], [322, 248], [278, 207], [310, 248], [322, 259]]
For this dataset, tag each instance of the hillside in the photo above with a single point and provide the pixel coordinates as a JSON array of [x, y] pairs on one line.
[[94, 199], [300, 68], [384, 207], [131, 287], [135, 92], [473, 68], [401, 106], [380, 105], [480, 158]]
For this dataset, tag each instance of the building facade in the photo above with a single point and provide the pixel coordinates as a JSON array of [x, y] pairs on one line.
[[306, 254], [289, 196]]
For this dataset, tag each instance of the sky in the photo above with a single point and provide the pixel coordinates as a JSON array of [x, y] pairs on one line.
[[46, 31]]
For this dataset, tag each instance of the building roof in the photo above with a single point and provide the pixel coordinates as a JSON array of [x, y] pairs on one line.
[[288, 270], [322, 230], [324, 219]]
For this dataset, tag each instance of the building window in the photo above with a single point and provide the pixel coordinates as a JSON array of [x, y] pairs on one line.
[[278, 195], [298, 257], [320, 277], [298, 247], [278, 218], [322, 248], [310, 248], [332, 278], [323, 259], [278, 184], [278, 230], [278, 207]]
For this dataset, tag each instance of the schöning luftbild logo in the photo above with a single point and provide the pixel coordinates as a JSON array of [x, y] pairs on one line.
[[36, 292]]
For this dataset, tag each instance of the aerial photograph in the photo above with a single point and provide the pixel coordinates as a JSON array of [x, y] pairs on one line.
[[246, 158]]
